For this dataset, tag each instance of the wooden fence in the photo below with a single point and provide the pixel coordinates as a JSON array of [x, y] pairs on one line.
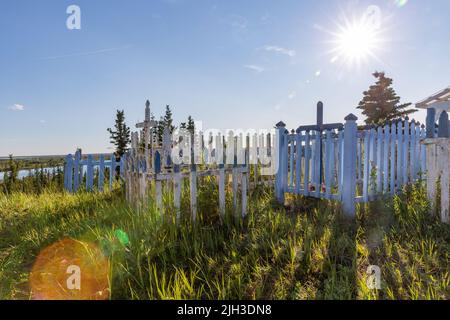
[[437, 145], [350, 164], [77, 169], [148, 175], [357, 165], [336, 161]]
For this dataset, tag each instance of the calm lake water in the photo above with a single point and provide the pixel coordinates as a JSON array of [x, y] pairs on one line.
[[26, 173]]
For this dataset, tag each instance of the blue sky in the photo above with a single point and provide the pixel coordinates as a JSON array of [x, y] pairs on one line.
[[231, 64]]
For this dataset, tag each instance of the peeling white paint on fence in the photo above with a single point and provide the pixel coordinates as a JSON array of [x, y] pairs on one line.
[[336, 161]]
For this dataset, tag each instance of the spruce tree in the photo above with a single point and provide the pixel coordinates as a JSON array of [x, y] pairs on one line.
[[160, 129], [190, 125], [381, 103], [11, 176], [168, 120], [120, 137]]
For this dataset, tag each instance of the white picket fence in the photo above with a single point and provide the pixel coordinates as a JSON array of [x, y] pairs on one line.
[[330, 161], [351, 165], [150, 173], [348, 164], [77, 169]]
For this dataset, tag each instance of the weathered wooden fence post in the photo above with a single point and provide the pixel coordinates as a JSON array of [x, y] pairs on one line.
[[177, 191], [101, 173], [90, 173], [430, 121], [443, 155], [393, 145], [193, 181], [281, 154], [68, 173], [158, 184], [437, 161], [112, 171], [443, 130], [244, 180], [220, 146], [430, 156], [76, 172], [349, 174]]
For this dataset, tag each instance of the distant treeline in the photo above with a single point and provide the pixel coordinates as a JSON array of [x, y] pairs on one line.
[[32, 162], [38, 179]]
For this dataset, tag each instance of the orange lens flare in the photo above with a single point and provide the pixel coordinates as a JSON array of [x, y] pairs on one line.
[[70, 270]]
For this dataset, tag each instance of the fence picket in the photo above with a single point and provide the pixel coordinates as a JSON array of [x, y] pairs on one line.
[[101, 173], [177, 192], [222, 190], [254, 157], [379, 159], [444, 164], [386, 159], [399, 155], [328, 165], [193, 191], [158, 184], [423, 158], [333, 170], [68, 173], [279, 179], [393, 145], [418, 167], [412, 151], [291, 147], [366, 174], [76, 171], [298, 162], [340, 157], [373, 163], [349, 187], [244, 179], [317, 163], [307, 162], [405, 152], [112, 169], [90, 173]]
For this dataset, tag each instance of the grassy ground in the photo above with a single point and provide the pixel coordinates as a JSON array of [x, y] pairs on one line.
[[305, 250]]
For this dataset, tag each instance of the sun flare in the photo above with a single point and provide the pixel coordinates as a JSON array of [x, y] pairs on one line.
[[358, 40]]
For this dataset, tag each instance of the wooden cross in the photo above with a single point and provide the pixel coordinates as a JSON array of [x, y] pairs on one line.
[[320, 127], [146, 126], [147, 123]]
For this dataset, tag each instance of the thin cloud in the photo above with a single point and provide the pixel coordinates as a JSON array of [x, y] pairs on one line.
[[16, 107], [255, 68], [281, 50], [86, 53], [236, 21], [292, 95]]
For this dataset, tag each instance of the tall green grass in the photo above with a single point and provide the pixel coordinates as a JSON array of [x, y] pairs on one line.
[[305, 250]]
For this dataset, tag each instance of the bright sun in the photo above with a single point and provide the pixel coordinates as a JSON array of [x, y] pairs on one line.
[[358, 40]]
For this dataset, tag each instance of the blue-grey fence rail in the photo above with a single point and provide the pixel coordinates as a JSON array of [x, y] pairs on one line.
[[349, 164], [332, 161], [75, 168]]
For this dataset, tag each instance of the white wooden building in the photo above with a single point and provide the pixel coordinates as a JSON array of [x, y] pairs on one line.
[[440, 101]]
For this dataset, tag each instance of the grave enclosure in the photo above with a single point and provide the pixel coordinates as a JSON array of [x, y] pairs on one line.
[[338, 161], [153, 170]]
